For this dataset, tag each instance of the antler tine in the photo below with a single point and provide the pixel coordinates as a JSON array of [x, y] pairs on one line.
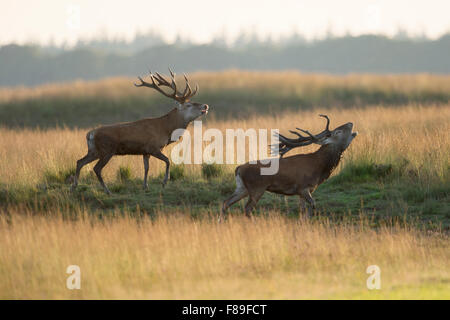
[[140, 84], [152, 85], [187, 89], [328, 121], [313, 137], [287, 144], [296, 133], [152, 77], [293, 142], [161, 80], [195, 90], [172, 74], [323, 133], [146, 84], [174, 84], [158, 81]]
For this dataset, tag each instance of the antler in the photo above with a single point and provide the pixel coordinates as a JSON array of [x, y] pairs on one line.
[[287, 144], [159, 81]]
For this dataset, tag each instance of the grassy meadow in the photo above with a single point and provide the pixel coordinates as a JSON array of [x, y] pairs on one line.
[[178, 257], [232, 94], [387, 203]]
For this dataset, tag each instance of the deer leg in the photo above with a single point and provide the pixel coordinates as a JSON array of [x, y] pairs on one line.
[[162, 157], [302, 203], [252, 201], [307, 196], [80, 164], [146, 166], [235, 197], [98, 171]]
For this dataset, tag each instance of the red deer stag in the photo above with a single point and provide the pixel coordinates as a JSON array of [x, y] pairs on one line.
[[146, 137], [297, 175]]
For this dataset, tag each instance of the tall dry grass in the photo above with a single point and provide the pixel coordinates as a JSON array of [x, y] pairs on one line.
[[409, 135], [176, 257], [288, 81]]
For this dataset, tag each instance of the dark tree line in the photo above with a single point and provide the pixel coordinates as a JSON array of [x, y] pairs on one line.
[[32, 65]]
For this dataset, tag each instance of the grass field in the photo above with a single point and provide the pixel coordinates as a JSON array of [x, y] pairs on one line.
[[232, 94], [388, 202], [175, 257]]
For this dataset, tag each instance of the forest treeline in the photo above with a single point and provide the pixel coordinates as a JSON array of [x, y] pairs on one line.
[[34, 64]]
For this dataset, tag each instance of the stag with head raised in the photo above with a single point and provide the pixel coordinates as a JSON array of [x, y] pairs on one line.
[[146, 137], [297, 175]]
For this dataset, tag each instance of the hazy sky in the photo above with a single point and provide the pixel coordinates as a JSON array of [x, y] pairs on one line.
[[200, 20]]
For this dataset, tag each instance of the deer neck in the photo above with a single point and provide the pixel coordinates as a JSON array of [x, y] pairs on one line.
[[329, 156], [176, 120]]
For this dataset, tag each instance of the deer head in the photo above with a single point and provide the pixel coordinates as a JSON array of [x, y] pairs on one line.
[[341, 137], [189, 110]]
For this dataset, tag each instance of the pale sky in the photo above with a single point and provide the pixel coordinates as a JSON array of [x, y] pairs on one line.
[[200, 20]]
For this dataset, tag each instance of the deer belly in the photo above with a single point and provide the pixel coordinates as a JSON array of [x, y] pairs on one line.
[[286, 189], [130, 147]]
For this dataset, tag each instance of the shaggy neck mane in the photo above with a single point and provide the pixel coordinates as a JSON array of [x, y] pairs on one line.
[[330, 156], [176, 120]]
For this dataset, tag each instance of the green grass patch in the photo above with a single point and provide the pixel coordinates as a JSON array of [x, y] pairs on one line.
[[59, 176], [177, 172], [378, 197], [212, 170], [362, 172], [124, 174]]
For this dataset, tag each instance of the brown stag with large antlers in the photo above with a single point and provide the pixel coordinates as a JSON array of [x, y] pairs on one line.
[[297, 175], [146, 137]]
